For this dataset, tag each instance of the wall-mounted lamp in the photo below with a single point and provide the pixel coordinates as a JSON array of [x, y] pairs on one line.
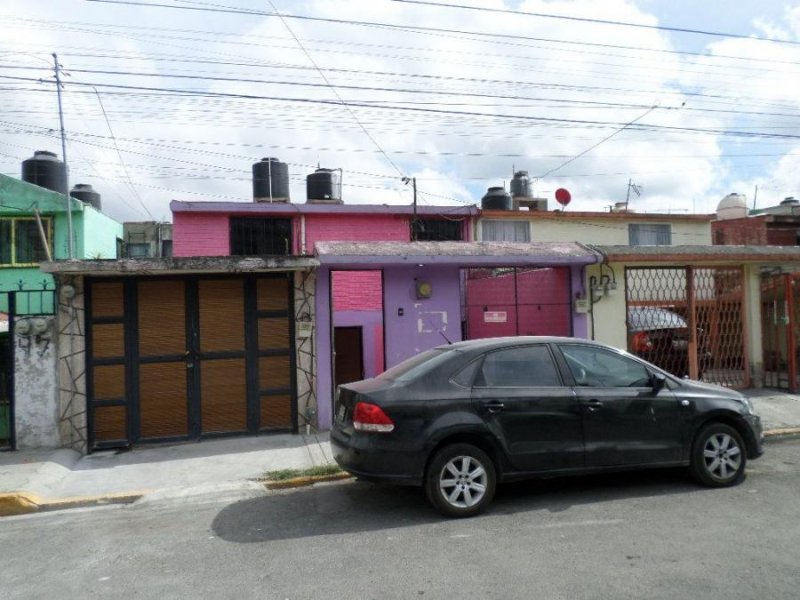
[[68, 291]]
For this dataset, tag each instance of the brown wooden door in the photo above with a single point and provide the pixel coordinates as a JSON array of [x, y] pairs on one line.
[[349, 356]]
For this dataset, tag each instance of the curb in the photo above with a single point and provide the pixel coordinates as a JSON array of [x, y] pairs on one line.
[[21, 503], [782, 432], [296, 482]]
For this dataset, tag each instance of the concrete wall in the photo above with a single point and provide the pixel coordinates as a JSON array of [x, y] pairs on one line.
[[602, 229], [97, 234], [35, 388]]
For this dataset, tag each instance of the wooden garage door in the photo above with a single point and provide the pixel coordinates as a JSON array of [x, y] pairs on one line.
[[185, 358]]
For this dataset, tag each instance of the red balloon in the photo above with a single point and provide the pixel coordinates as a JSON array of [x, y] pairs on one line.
[[563, 196]]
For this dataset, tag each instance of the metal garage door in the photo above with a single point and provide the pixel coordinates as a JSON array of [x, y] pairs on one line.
[[186, 358]]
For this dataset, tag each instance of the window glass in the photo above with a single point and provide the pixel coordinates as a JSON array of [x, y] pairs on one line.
[[436, 230], [505, 231], [5, 242], [411, 367], [526, 366], [259, 236], [138, 250], [596, 367], [466, 376], [658, 234], [28, 245]]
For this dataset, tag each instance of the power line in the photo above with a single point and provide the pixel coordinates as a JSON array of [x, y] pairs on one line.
[[598, 21]]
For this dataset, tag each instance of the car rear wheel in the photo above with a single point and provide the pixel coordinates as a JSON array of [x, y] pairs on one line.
[[461, 480], [718, 456]]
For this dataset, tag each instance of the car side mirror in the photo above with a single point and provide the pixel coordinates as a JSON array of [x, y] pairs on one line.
[[658, 382]]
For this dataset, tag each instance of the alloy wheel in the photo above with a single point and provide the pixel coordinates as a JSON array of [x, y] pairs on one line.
[[722, 456], [462, 481]]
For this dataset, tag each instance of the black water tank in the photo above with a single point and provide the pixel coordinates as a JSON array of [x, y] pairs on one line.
[[270, 181], [497, 198], [521, 185], [45, 170], [86, 194], [324, 185]]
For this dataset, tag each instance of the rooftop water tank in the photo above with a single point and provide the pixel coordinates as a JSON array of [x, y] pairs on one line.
[[45, 170], [86, 194], [521, 185], [732, 206], [497, 198], [324, 186], [270, 181]]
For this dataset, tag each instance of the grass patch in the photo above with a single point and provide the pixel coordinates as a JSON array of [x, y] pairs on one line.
[[284, 474]]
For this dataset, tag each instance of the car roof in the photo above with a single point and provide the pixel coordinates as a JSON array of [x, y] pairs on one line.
[[501, 342]]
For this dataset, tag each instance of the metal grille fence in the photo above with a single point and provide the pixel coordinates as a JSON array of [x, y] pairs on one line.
[[689, 321], [15, 304]]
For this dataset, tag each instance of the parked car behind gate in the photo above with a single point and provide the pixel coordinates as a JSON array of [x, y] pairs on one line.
[[661, 337], [458, 419]]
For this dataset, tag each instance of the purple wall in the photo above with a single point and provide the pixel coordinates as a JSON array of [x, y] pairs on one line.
[[423, 320]]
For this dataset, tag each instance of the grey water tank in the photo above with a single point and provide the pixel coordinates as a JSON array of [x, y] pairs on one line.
[[521, 185], [45, 170], [497, 198], [86, 194], [270, 181], [324, 186]]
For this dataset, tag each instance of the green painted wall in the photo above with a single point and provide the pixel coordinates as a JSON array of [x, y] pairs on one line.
[[95, 233]]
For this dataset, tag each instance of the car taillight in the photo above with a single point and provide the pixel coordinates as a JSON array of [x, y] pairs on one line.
[[641, 342], [370, 417]]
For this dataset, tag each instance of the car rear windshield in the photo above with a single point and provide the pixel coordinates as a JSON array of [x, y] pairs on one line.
[[416, 365]]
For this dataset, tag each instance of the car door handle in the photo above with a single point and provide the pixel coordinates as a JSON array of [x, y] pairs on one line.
[[494, 406], [594, 405]]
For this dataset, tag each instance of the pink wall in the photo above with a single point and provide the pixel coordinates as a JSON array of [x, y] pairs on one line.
[[357, 290], [349, 228], [199, 234]]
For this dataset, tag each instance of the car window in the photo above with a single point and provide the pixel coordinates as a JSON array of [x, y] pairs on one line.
[[416, 365], [595, 367], [524, 366], [466, 376]]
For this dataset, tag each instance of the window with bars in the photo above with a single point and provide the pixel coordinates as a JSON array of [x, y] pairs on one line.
[[505, 231], [436, 230], [650, 234], [250, 235], [21, 242]]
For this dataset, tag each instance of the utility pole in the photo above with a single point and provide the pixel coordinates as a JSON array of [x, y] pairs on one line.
[[70, 236], [414, 222]]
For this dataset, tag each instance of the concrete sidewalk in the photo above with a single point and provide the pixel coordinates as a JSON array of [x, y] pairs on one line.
[[51, 479]]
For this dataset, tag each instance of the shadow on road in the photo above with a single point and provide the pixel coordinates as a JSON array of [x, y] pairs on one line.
[[354, 507]]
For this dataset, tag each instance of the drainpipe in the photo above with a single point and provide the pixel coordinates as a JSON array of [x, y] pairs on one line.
[[302, 234]]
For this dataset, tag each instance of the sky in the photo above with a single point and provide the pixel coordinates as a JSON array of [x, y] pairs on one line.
[[177, 101]]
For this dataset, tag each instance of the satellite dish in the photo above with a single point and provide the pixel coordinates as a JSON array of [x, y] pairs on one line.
[[563, 196]]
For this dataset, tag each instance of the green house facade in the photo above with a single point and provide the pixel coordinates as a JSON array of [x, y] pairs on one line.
[[21, 244]]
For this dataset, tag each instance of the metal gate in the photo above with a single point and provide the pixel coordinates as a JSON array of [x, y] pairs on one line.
[[689, 321], [30, 303], [189, 357], [509, 301], [780, 319]]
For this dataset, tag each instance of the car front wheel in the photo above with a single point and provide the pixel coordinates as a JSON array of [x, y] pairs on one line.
[[718, 456], [461, 480]]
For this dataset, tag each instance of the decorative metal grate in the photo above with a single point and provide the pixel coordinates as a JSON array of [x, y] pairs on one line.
[[689, 321]]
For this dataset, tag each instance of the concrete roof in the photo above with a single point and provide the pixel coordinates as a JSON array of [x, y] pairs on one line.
[[570, 216], [284, 208], [179, 265], [454, 253], [698, 253]]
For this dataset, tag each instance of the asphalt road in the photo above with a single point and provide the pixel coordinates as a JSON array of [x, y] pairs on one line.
[[648, 535]]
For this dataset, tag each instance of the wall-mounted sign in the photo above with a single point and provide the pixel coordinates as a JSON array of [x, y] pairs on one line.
[[495, 316]]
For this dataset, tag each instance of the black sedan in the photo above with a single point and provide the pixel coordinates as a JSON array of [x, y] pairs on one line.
[[460, 418]]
